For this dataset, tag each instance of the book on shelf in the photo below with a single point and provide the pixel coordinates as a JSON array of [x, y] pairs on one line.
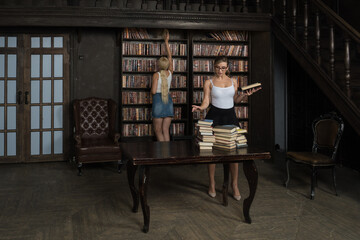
[[254, 85]]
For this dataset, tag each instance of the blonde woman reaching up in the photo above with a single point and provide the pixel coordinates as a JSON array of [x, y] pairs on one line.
[[162, 104]]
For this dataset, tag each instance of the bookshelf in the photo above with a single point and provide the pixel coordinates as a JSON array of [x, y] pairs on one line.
[[206, 46], [193, 54], [140, 49]]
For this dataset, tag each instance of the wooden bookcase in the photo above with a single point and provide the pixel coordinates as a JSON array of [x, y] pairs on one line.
[[206, 46], [193, 55], [141, 48]]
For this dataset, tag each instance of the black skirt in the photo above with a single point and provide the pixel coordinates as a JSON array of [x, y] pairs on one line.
[[222, 116]]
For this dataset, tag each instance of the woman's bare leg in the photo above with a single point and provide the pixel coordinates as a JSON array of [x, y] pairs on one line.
[[165, 128], [157, 123], [234, 170], [211, 170]]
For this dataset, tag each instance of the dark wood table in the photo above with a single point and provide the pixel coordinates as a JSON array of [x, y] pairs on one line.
[[146, 154]]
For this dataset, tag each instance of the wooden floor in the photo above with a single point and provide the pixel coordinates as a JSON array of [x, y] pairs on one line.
[[49, 201]]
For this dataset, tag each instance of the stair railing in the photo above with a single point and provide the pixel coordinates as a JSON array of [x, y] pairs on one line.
[[307, 20]]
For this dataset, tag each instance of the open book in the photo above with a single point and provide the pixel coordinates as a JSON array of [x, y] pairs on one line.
[[254, 85]]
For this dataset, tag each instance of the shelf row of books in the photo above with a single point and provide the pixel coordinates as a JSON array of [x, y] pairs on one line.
[[242, 111], [227, 35], [230, 35], [144, 114], [198, 97], [208, 65], [177, 129], [150, 65], [199, 114], [131, 48], [217, 50], [244, 125], [140, 130], [135, 33], [144, 81], [198, 80], [130, 97], [178, 96], [136, 97]]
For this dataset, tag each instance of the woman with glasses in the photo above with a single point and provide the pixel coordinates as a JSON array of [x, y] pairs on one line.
[[220, 93]]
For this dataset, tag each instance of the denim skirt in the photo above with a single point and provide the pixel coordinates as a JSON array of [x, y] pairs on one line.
[[160, 109]]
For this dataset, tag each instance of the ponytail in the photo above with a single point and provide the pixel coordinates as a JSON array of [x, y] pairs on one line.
[[164, 86]]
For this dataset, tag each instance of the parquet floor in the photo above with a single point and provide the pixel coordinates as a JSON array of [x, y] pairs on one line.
[[49, 201]]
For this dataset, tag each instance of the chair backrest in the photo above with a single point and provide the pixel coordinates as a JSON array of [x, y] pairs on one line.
[[328, 129], [94, 117]]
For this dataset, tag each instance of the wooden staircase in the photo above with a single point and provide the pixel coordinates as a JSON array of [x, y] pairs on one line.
[[326, 47]]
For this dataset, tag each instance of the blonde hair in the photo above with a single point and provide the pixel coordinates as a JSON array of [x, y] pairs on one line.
[[164, 65]]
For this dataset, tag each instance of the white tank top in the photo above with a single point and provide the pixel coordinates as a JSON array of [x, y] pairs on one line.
[[158, 89], [222, 97]]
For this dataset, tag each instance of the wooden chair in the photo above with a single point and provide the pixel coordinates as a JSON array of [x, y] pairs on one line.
[[95, 137], [327, 129]]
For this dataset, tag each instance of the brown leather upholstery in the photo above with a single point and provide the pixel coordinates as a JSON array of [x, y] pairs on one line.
[[327, 130], [310, 158], [96, 140]]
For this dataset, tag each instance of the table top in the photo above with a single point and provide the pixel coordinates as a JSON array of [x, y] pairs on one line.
[[185, 152]]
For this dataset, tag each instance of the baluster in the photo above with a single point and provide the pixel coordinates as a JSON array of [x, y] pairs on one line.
[[188, 6], [294, 18], [144, 4], [332, 52], [159, 5], [317, 34], [284, 12], [216, 7], [231, 7], [273, 8], [347, 66], [202, 6], [174, 5], [244, 8], [306, 25], [258, 7]]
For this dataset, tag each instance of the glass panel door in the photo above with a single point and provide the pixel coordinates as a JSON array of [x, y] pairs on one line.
[[47, 106], [9, 108], [34, 98]]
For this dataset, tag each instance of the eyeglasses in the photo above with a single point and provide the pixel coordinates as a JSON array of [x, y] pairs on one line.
[[220, 68]]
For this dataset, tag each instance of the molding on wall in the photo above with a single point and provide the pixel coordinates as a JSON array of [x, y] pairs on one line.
[[118, 18]]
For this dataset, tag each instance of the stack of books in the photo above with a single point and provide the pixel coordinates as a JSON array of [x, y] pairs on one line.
[[225, 137], [241, 140], [204, 134]]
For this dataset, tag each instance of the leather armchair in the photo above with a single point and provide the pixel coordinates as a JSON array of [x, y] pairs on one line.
[[95, 137]]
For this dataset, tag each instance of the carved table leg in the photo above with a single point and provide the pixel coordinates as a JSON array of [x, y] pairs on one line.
[[225, 184], [251, 174], [131, 170], [143, 182]]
